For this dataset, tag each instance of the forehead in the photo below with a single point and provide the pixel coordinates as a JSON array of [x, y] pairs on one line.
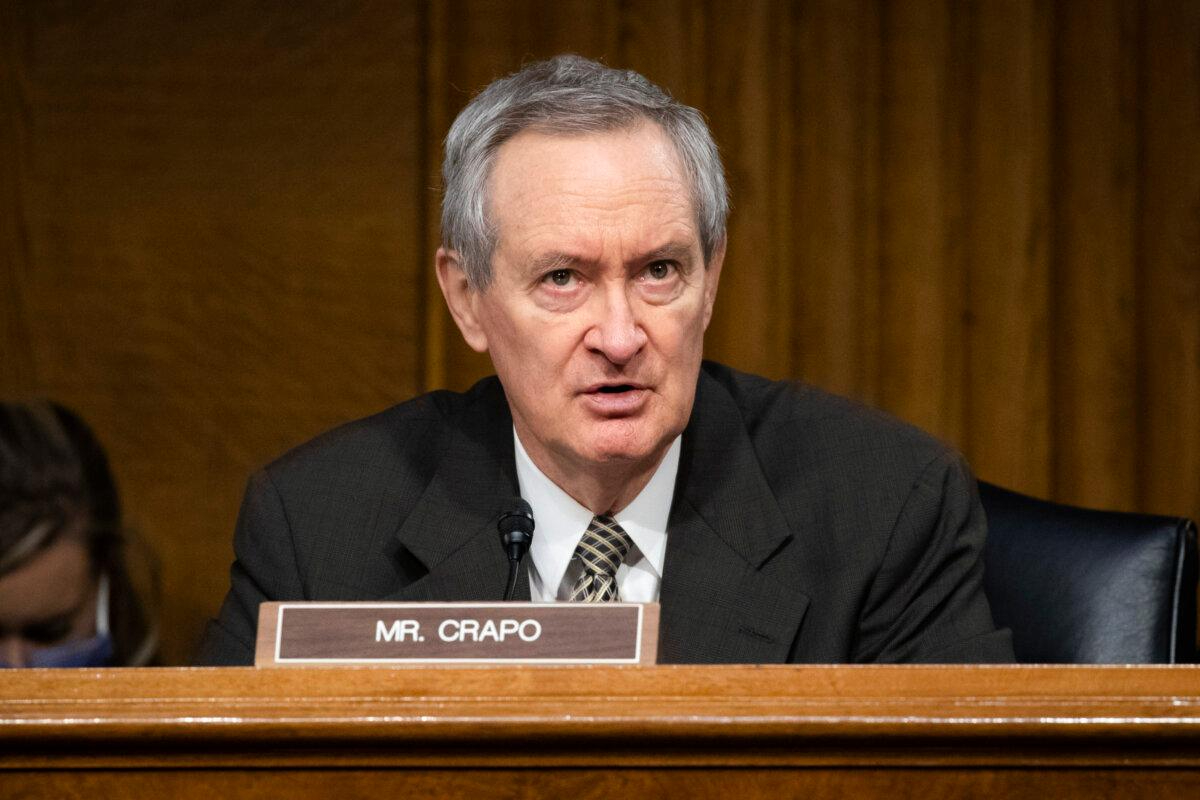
[[50, 583], [628, 184]]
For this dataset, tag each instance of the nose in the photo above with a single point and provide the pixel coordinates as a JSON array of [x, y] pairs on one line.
[[14, 652], [617, 334]]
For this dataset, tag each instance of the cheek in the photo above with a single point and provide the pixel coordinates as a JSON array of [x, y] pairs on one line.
[[681, 336], [680, 345], [84, 624], [532, 350], [508, 339]]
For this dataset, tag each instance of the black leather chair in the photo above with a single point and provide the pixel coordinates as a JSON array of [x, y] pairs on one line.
[[1090, 587]]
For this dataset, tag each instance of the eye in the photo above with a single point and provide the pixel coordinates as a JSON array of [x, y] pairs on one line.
[[49, 631], [560, 277], [660, 270]]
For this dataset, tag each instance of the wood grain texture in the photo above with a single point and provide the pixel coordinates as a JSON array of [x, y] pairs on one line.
[[16, 352], [754, 84], [220, 208], [1095, 368], [835, 227], [217, 225], [971, 721], [719, 784], [1007, 245], [1169, 258]]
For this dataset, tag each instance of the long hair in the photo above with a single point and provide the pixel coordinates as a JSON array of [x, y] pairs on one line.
[[54, 481]]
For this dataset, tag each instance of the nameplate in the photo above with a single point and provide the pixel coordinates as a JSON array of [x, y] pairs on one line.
[[398, 634]]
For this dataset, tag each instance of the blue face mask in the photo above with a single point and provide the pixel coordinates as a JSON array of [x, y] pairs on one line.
[[95, 651]]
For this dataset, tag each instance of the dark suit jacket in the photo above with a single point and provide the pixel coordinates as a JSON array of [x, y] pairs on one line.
[[805, 528]]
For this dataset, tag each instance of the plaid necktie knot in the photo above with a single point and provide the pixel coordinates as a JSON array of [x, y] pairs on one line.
[[601, 550]]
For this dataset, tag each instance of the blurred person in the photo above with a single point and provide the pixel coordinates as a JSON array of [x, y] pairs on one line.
[[66, 598]]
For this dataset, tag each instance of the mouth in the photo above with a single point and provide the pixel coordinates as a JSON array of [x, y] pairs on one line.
[[616, 399], [613, 387]]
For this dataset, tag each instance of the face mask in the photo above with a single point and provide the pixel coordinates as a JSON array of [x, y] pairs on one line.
[[91, 652]]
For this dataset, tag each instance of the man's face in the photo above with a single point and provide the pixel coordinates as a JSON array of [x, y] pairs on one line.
[[596, 314]]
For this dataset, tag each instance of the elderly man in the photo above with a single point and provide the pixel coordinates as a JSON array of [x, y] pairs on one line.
[[583, 234]]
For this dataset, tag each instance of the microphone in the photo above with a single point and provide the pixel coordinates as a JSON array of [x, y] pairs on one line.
[[516, 533]]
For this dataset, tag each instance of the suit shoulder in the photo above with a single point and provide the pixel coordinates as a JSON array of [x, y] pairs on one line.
[[402, 438], [791, 421]]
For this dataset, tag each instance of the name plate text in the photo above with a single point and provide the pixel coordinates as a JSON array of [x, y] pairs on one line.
[[396, 634]]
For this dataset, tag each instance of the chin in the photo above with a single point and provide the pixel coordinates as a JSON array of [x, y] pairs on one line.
[[625, 445], [617, 455]]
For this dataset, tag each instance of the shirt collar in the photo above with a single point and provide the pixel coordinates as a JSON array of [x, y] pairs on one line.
[[560, 520]]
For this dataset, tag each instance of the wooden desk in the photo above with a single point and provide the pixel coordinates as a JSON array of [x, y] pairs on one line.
[[613, 732]]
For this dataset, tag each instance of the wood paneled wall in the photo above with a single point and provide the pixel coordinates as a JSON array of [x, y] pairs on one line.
[[217, 223]]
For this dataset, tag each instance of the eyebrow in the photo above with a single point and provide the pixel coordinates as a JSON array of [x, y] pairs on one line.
[[672, 251], [548, 262], [554, 260]]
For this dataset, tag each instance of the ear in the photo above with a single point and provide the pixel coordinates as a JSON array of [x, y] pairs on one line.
[[712, 276], [461, 298]]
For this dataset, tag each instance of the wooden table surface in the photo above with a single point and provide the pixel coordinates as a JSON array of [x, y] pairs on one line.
[[898, 731]]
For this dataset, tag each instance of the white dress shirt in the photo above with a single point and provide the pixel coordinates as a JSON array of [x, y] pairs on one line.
[[560, 523]]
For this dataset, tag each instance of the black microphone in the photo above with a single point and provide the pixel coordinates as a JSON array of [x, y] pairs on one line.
[[516, 533]]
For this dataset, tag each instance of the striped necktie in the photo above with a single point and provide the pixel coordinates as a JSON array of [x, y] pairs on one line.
[[601, 550]]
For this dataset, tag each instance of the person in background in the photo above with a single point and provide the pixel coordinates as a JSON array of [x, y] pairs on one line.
[[66, 598]]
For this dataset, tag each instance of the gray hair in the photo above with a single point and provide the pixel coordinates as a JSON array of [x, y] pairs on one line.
[[567, 95]]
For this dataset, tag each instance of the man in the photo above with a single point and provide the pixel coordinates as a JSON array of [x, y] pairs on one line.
[[583, 238]]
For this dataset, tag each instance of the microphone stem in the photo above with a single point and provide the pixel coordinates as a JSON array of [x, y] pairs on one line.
[[513, 566]]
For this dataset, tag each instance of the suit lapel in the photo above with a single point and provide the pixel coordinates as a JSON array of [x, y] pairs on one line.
[[725, 524], [451, 530]]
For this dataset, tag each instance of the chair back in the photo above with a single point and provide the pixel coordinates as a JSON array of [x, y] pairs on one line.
[[1090, 587]]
